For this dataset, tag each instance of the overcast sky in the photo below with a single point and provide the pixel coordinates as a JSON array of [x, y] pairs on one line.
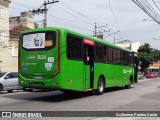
[[81, 16]]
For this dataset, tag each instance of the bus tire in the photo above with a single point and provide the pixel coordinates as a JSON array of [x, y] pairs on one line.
[[129, 84], [24, 89], [1, 89], [30, 90], [100, 86], [10, 91]]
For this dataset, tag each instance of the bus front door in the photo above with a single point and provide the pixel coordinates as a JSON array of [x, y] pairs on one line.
[[88, 66]]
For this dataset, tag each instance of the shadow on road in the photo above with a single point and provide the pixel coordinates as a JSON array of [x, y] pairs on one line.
[[56, 96]]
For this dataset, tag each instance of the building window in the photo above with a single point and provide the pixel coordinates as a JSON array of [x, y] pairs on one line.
[[1, 12]]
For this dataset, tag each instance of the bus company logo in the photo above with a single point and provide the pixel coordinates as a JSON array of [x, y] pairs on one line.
[[30, 57], [6, 114], [41, 56]]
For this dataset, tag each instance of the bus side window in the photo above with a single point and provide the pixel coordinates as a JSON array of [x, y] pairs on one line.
[[74, 47], [109, 55]]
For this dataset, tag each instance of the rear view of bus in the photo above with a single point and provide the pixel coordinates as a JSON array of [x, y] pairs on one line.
[[39, 58]]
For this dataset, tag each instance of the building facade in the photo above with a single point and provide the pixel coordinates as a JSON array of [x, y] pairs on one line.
[[134, 46], [4, 21], [26, 19], [4, 35], [9, 32]]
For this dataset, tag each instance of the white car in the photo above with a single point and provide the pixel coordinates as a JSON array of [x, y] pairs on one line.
[[9, 81]]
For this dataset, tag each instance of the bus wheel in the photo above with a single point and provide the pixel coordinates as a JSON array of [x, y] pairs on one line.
[[100, 86], [129, 84], [10, 91], [30, 90], [1, 89]]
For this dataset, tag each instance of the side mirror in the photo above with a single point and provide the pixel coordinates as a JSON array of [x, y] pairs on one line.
[[6, 77]]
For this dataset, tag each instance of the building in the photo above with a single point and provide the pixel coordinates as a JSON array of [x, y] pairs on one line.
[[134, 46], [4, 33], [4, 22], [154, 67], [9, 47], [20, 23], [26, 19]]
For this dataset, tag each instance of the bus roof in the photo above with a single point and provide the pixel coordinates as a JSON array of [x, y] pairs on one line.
[[79, 34]]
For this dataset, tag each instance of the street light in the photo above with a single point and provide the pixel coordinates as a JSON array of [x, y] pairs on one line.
[[155, 39], [147, 20]]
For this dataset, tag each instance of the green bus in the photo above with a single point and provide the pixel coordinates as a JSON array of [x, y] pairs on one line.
[[58, 58]]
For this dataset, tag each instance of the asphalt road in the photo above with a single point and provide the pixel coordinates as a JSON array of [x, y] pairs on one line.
[[143, 96]]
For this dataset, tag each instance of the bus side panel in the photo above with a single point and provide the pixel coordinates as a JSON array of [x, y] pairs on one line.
[[103, 69], [74, 77], [115, 75], [71, 70]]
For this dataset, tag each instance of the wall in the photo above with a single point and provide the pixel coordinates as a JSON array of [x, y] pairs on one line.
[[4, 22]]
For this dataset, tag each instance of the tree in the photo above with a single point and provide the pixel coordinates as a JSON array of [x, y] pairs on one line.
[[147, 55]]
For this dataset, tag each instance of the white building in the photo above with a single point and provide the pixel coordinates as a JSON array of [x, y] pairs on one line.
[[4, 22], [134, 46], [8, 59]]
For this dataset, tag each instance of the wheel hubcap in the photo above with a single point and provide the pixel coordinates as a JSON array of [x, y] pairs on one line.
[[101, 87]]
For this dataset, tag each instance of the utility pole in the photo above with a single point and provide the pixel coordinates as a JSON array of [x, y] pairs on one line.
[[43, 11], [96, 27], [95, 30], [45, 14]]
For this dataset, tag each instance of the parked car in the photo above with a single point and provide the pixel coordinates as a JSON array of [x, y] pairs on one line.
[[158, 75], [151, 75], [9, 81], [140, 76]]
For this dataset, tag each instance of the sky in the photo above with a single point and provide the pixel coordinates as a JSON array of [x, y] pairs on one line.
[[122, 19]]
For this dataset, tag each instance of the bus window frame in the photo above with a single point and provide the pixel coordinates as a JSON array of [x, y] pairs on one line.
[[82, 47], [40, 49]]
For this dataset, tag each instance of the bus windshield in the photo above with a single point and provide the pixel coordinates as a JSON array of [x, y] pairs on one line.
[[39, 41]]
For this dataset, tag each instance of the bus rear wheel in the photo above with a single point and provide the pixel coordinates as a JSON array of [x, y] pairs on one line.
[[100, 86], [129, 84], [10, 91]]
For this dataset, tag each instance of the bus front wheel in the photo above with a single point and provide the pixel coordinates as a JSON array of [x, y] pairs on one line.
[[100, 86]]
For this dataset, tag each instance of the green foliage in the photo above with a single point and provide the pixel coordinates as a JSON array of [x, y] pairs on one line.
[[147, 55]]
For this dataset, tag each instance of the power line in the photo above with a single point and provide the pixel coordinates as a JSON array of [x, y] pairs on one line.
[[22, 5], [149, 9], [156, 5], [112, 11], [70, 25], [100, 32], [43, 11], [72, 9], [77, 12], [74, 15], [62, 22], [66, 19]]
